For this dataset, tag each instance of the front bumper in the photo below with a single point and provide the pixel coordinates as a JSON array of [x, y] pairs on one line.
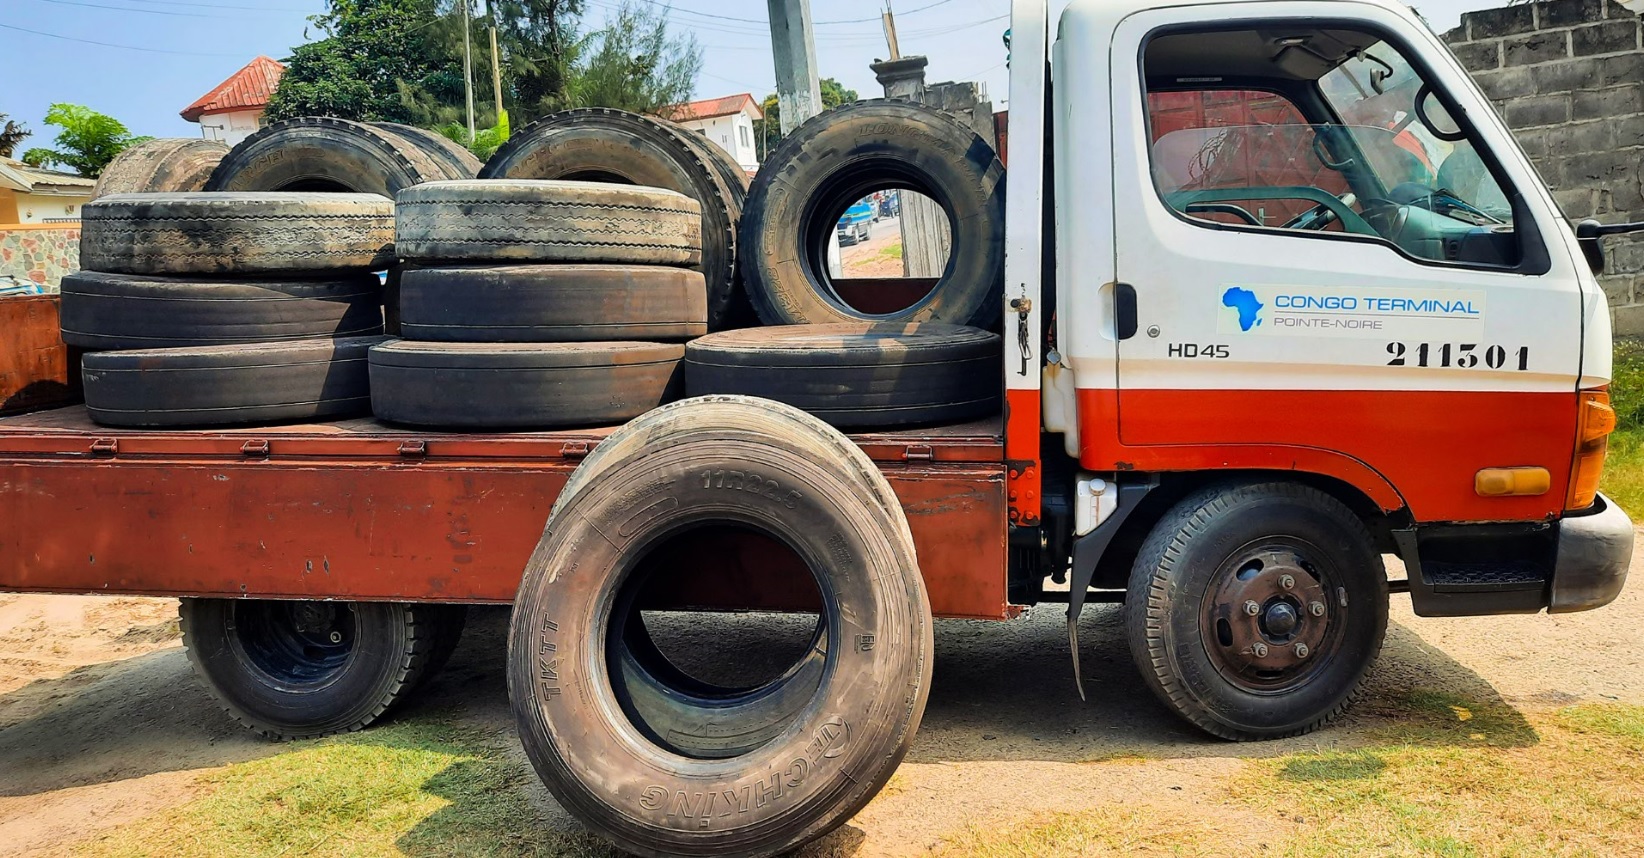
[[1594, 550]]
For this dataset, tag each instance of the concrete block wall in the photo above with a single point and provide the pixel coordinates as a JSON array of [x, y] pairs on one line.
[[1568, 76]]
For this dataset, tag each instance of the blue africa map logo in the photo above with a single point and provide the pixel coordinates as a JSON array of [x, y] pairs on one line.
[[1245, 302]]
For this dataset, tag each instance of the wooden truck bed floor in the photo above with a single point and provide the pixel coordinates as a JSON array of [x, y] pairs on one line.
[[360, 510]]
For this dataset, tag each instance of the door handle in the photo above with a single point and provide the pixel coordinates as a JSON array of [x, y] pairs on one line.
[[1124, 310]]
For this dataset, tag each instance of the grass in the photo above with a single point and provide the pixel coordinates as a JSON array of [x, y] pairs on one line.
[[406, 788], [1447, 777], [1624, 468], [893, 251]]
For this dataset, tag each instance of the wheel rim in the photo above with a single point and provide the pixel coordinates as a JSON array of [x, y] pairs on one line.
[[1274, 616], [296, 645]]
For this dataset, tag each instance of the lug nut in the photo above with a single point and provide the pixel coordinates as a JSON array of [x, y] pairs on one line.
[[1260, 650], [1286, 581], [336, 637], [1252, 608], [1301, 650], [1317, 608]]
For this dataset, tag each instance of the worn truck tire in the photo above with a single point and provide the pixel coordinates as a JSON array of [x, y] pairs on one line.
[[164, 165], [834, 159], [329, 155], [552, 303], [453, 157], [521, 385], [523, 220], [712, 461], [229, 385], [604, 145], [237, 233], [855, 375], [133, 311], [1242, 675], [301, 670]]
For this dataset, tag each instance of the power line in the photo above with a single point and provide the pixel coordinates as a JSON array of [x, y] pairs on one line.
[[129, 9], [112, 45], [275, 10]]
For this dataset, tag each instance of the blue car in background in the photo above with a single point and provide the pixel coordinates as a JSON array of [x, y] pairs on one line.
[[856, 222]]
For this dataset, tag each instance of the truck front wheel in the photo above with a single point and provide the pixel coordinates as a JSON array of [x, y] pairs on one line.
[[1255, 611], [299, 670]]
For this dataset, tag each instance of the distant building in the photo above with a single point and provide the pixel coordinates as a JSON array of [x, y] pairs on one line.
[[234, 109], [728, 122], [33, 195]]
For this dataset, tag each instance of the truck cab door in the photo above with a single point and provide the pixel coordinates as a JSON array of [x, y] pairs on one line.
[[1327, 243]]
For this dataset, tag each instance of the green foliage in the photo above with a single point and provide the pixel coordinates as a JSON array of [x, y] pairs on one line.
[[486, 142], [768, 131], [11, 134], [1623, 477], [372, 49], [633, 64], [87, 142]]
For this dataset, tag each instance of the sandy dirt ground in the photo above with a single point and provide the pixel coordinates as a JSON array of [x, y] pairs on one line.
[[867, 258], [102, 723]]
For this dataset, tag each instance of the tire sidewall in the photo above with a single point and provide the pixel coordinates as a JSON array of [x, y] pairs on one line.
[[362, 158], [835, 747], [1343, 547]]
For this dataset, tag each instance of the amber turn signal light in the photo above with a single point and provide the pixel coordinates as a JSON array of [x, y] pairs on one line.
[[1512, 482], [1594, 423]]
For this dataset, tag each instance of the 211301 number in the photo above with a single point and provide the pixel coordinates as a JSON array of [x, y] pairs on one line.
[[1459, 355]]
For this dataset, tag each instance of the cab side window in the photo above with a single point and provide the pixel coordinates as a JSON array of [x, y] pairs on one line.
[[1327, 132]]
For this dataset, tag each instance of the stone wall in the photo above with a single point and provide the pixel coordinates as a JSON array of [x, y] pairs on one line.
[[1568, 76], [40, 254]]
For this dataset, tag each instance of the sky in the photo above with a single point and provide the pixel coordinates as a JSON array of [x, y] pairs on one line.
[[142, 61]]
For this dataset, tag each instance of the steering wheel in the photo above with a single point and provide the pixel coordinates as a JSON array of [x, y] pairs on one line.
[[1321, 215], [1336, 206]]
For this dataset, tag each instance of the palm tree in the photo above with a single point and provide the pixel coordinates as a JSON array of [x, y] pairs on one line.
[[11, 134]]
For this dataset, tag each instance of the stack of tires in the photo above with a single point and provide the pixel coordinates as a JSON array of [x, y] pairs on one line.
[[534, 304], [213, 309], [922, 364]]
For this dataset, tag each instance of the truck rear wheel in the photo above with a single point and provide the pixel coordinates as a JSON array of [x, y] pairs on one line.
[[301, 670], [696, 776], [1255, 611]]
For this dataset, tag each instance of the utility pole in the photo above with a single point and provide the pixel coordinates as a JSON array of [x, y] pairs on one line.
[[890, 32], [496, 62], [793, 43], [468, 69]]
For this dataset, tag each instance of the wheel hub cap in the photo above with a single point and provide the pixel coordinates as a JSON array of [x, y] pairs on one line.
[[1267, 620]]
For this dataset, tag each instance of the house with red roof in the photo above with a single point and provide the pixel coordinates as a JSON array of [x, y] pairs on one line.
[[233, 110], [727, 121]]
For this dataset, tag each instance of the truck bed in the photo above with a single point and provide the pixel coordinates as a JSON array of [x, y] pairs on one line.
[[357, 509]]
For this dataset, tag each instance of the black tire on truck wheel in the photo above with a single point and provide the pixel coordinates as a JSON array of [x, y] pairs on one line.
[[229, 385], [604, 145], [164, 165], [552, 303], [301, 670], [836, 158], [458, 162], [278, 234], [1308, 566], [764, 466], [855, 375], [134, 311], [521, 385], [524, 220], [447, 622], [328, 155]]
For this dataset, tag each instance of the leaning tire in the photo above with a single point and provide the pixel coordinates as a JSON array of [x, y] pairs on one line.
[[229, 385], [133, 311], [601, 757], [224, 233], [301, 670], [855, 375], [457, 161], [552, 303], [330, 156], [1310, 569], [166, 165], [542, 221], [833, 160], [603, 145], [521, 385]]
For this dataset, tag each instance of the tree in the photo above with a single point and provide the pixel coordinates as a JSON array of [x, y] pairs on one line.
[[88, 141], [633, 64], [373, 49], [486, 141], [11, 134], [768, 131]]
